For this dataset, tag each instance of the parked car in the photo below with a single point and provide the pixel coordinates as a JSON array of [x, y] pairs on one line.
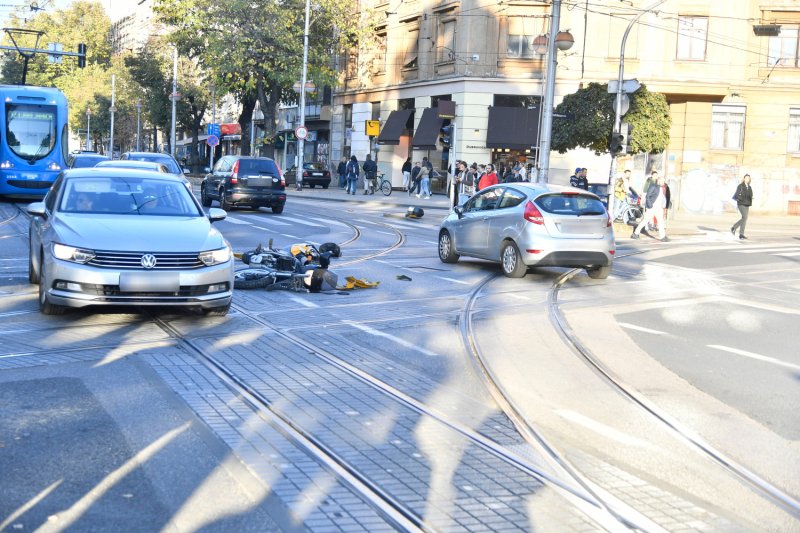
[[313, 174], [241, 180], [139, 165], [523, 225], [86, 159], [601, 190], [127, 237], [167, 160]]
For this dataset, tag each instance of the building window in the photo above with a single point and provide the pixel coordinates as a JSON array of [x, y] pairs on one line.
[[411, 52], [692, 33], [445, 41], [520, 37], [783, 49], [727, 127], [794, 130]]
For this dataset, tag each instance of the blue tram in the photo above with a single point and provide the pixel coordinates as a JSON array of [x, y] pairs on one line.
[[33, 140]]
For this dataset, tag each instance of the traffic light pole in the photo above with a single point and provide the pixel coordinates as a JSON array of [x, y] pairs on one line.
[[618, 101]]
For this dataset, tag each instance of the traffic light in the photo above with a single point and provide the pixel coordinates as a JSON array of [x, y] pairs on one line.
[[82, 56], [616, 144], [444, 134]]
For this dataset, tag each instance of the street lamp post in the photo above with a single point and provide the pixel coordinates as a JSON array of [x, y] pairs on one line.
[[562, 41], [618, 99], [88, 129], [301, 142], [138, 125]]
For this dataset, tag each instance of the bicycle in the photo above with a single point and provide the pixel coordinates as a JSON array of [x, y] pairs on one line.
[[384, 185]]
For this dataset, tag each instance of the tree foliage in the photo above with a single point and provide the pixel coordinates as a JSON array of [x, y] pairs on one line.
[[590, 120]]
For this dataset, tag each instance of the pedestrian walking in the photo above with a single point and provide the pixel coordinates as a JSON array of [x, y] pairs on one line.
[[469, 181], [341, 170], [370, 169], [455, 185], [425, 182], [657, 202], [578, 179], [651, 179], [352, 175], [406, 174], [479, 176], [744, 199], [415, 179]]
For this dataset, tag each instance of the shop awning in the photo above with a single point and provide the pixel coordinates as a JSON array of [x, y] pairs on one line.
[[428, 130], [516, 128], [394, 127]]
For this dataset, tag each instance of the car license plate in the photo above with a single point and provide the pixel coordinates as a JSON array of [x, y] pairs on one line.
[[316, 173], [149, 282]]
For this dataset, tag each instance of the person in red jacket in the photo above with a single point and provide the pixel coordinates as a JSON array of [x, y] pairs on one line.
[[489, 179]]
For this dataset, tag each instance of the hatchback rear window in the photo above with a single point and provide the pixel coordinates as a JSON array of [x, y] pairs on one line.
[[571, 204], [257, 166]]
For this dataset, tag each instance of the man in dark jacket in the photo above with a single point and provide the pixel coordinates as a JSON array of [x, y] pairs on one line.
[[370, 173], [406, 174], [744, 199], [415, 181], [341, 170]]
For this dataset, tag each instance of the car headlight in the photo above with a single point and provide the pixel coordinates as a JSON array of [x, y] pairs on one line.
[[215, 257], [70, 253]]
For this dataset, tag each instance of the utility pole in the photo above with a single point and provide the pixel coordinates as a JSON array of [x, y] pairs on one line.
[[113, 109], [301, 141], [174, 100], [138, 125], [88, 129], [213, 121]]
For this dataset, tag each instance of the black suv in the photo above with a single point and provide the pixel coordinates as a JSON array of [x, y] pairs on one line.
[[241, 180]]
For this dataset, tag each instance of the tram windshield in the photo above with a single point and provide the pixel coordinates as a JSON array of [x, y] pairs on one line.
[[31, 129]]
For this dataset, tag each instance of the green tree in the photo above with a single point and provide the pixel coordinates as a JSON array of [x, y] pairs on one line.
[[255, 53], [590, 120]]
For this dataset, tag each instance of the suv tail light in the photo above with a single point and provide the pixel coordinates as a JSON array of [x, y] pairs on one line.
[[235, 173], [280, 174], [305, 173], [532, 214]]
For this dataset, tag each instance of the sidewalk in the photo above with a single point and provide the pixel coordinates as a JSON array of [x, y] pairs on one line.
[[678, 223]]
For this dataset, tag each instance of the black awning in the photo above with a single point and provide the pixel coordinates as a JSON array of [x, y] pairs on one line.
[[430, 125], [516, 128], [394, 127]]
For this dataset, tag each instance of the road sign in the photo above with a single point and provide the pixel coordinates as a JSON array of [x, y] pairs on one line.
[[628, 86], [301, 132], [213, 129], [372, 128], [212, 140], [54, 57]]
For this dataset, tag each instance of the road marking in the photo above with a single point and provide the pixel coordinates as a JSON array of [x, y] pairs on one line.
[[327, 222], [236, 221], [401, 342], [431, 242], [755, 356], [268, 220], [640, 328], [602, 429], [300, 300], [518, 296], [299, 221], [455, 280], [265, 229], [767, 250], [792, 254], [384, 232], [14, 313]]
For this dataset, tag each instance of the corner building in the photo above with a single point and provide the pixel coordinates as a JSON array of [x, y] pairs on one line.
[[729, 70]]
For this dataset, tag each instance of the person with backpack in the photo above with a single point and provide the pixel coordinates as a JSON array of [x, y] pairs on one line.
[[341, 170], [415, 179], [370, 173], [352, 175]]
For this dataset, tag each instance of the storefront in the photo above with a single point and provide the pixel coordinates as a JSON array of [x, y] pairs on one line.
[[512, 136]]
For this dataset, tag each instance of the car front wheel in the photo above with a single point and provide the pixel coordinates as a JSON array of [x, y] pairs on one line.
[[45, 306], [447, 253], [511, 259], [33, 275]]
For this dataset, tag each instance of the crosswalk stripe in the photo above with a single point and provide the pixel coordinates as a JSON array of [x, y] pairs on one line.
[[304, 221], [792, 254], [236, 221], [768, 250], [266, 219]]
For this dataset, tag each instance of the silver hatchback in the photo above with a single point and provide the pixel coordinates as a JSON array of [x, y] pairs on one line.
[[523, 225], [113, 236]]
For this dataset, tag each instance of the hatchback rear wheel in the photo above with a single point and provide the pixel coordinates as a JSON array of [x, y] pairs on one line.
[[447, 253], [224, 203], [599, 272], [204, 198], [511, 260]]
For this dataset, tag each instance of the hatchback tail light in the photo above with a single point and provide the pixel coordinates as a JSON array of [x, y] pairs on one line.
[[532, 214], [235, 173]]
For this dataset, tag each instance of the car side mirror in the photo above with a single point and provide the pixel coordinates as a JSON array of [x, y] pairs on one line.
[[459, 210], [37, 209], [215, 214], [206, 169], [186, 171]]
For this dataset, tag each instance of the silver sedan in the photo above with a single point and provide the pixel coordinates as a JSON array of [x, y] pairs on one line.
[[523, 225], [110, 236]]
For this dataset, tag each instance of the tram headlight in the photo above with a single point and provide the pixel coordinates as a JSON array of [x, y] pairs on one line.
[[53, 166], [6, 164]]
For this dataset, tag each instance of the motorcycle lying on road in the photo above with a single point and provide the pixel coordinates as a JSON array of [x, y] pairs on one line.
[[299, 267]]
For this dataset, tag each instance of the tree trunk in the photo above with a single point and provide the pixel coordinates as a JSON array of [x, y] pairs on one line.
[[248, 105], [269, 106]]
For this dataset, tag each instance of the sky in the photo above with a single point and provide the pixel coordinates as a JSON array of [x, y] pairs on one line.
[[115, 8]]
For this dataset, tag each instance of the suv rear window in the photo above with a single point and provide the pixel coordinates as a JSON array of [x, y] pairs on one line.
[[571, 204], [257, 166]]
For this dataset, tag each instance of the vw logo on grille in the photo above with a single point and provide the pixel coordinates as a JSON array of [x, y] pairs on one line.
[[148, 261]]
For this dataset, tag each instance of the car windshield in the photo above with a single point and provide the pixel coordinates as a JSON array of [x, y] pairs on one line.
[[127, 196], [84, 161], [166, 160], [314, 166], [141, 165], [571, 204]]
